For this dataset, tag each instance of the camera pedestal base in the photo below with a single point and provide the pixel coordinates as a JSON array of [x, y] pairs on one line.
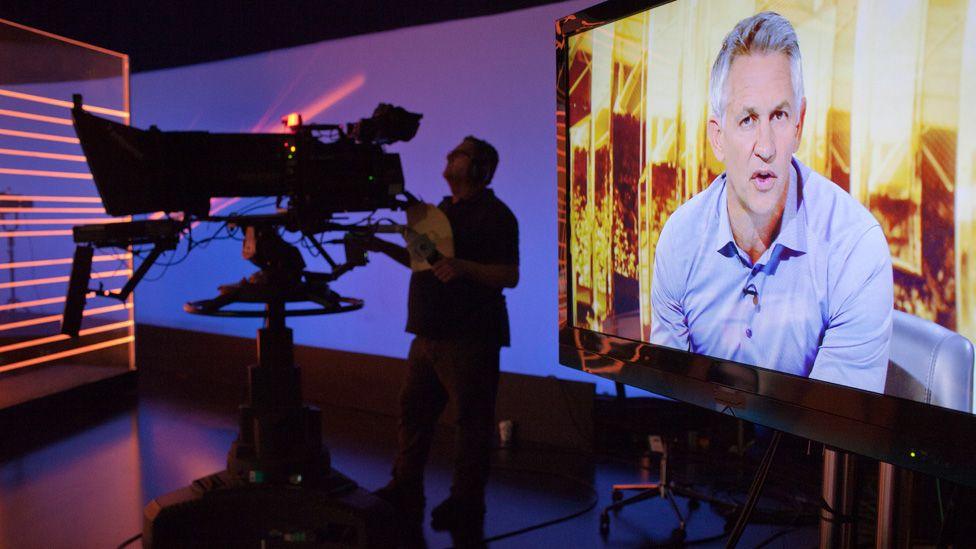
[[279, 487], [225, 510]]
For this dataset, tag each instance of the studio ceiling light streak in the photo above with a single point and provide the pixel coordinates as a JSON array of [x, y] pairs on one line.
[[323, 102]]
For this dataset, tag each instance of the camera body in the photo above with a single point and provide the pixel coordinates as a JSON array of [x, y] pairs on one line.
[[142, 171]]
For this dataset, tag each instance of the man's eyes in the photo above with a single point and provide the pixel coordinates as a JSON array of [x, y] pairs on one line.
[[750, 121]]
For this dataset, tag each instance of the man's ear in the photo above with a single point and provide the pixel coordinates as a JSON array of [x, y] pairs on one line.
[[715, 137], [799, 125]]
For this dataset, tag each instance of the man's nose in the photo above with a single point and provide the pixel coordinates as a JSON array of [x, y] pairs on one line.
[[765, 146]]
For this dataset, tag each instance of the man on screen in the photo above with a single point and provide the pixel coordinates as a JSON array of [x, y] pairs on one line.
[[772, 265]]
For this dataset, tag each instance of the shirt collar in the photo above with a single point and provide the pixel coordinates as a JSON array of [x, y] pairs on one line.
[[791, 235], [791, 232]]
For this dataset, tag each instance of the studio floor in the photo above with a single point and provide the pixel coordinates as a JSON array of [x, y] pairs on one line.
[[85, 486]]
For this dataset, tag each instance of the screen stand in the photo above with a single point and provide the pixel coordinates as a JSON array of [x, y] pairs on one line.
[[839, 491], [754, 491]]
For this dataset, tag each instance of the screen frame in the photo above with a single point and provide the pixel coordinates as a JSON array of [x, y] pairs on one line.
[[906, 433]]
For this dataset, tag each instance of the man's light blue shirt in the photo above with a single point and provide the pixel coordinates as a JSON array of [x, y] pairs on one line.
[[823, 290]]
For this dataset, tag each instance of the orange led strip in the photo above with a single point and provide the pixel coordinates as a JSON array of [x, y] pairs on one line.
[[61, 337], [57, 279], [41, 136], [53, 210], [22, 234], [46, 173], [62, 103], [37, 302], [61, 261], [72, 199], [72, 352], [39, 154], [56, 318], [34, 303], [37, 117], [62, 221]]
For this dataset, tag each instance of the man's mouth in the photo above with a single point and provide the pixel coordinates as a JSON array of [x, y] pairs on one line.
[[763, 179]]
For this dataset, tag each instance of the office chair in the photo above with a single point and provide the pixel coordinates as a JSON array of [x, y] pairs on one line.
[[927, 363]]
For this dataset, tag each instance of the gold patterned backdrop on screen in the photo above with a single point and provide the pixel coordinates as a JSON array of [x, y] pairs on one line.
[[886, 120]]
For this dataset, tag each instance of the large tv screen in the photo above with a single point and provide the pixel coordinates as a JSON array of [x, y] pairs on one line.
[[788, 186]]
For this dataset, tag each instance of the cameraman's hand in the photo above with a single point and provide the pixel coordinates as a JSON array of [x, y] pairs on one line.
[[449, 268]]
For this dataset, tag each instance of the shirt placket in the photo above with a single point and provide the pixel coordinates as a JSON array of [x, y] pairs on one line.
[[750, 305]]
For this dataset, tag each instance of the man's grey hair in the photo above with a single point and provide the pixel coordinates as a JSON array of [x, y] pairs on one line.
[[766, 32]]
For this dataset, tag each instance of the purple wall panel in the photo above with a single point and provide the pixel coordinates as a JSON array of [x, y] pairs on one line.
[[493, 77]]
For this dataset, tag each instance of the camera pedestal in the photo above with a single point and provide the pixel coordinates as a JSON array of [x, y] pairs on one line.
[[279, 486]]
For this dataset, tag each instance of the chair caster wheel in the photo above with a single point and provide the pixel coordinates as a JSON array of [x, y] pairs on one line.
[[678, 535], [616, 496]]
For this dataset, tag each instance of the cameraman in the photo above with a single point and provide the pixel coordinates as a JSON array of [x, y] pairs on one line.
[[457, 312]]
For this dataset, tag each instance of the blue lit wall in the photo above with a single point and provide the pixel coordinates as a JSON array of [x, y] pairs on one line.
[[493, 77]]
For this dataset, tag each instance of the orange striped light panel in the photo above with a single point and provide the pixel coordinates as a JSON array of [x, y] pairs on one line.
[[68, 353], [57, 318], [26, 234], [45, 155], [36, 117], [62, 103], [22, 209], [61, 337], [41, 136], [61, 261], [69, 199], [62, 221], [57, 279], [46, 173]]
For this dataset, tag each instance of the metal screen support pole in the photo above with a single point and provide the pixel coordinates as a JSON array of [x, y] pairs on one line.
[[754, 491]]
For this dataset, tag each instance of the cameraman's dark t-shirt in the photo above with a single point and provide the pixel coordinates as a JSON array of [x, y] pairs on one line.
[[485, 231]]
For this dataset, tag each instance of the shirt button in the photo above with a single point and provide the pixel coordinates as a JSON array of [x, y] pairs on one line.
[[749, 332]]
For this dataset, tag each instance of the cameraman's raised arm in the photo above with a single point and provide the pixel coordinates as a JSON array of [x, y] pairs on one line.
[[394, 251]]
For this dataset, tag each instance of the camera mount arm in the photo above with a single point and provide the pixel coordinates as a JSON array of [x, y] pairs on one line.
[[164, 234]]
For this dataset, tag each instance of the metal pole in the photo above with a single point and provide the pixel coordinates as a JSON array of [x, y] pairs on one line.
[[754, 491]]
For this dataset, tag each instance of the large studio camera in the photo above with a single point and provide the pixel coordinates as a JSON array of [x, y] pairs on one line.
[[314, 172], [279, 485], [141, 171]]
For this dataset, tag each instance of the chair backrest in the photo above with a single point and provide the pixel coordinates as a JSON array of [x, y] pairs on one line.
[[929, 363]]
